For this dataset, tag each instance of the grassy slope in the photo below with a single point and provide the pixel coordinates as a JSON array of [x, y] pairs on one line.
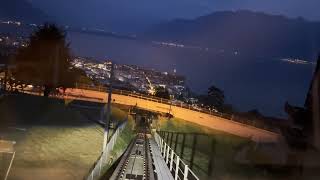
[[225, 149], [58, 141]]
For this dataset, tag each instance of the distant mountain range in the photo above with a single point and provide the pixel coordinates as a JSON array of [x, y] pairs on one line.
[[248, 33], [21, 10]]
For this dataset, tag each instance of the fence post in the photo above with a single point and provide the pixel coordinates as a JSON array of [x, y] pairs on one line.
[[168, 152], [195, 137], [176, 173], [176, 142], [171, 138], [186, 171], [171, 159], [167, 133], [161, 145], [164, 151], [211, 160], [182, 146]]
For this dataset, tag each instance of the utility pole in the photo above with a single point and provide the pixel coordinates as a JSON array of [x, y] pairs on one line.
[[108, 114], [171, 97], [6, 71], [56, 67]]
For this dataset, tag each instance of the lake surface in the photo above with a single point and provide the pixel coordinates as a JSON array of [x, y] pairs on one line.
[[248, 82]]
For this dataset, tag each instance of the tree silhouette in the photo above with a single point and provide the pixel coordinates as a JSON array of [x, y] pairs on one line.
[[254, 113], [46, 61], [214, 98], [162, 92]]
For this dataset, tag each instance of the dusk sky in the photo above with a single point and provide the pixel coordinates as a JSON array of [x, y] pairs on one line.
[[115, 12]]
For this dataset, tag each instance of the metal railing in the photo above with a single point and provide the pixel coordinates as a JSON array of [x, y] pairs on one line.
[[190, 147], [177, 167], [231, 117], [96, 170]]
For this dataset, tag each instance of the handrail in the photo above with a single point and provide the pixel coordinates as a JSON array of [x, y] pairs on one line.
[[173, 143], [171, 159]]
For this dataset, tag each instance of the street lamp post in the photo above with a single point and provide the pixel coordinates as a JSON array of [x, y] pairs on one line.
[[171, 98], [5, 77], [108, 113]]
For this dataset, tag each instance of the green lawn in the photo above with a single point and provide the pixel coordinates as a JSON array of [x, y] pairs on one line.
[[54, 141]]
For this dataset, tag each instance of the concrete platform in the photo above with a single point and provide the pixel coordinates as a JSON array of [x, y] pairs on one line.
[[161, 168]]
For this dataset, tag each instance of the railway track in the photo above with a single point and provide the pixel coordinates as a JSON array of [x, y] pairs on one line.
[[136, 163]]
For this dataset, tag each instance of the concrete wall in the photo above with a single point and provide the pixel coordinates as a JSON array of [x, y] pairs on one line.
[[203, 119]]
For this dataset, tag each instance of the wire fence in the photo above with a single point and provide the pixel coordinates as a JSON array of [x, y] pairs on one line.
[[179, 169], [232, 117], [196, 149], [96, 170]]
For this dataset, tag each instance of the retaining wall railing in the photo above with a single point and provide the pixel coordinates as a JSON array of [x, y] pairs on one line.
[[236, 118], [96, 170], [269, 126]]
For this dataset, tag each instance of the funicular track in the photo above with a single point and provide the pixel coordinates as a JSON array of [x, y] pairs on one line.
[[136, 163]]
